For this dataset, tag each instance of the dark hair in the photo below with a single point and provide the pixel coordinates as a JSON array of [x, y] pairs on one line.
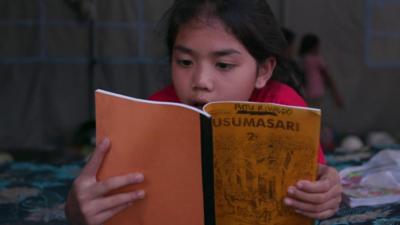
[[308, 43], [250, 21], [289, 35]]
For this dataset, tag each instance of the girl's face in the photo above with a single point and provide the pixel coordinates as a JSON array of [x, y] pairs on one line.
[[210, 64]]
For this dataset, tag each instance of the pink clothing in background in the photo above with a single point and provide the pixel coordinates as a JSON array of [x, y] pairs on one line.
[[313, 67]]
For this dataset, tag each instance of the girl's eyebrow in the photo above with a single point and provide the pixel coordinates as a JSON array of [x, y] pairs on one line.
[[225, 52], [219, 53], [183, 49]]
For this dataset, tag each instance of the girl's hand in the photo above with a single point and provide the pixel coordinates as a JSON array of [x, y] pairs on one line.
[[319, 199], [87, 202]]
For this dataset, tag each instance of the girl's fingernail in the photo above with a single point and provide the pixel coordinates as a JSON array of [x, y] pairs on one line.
[[138, 178], [298, 211], [287, 201], [300, 185], [105, 142], [291, 190], [140, 194]]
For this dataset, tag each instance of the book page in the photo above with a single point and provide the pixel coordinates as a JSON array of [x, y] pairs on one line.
[[259, 151]]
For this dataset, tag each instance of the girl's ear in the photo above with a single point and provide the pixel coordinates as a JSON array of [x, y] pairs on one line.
[[265, 71]]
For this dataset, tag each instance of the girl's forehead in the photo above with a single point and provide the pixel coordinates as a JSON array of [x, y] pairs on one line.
[[207, 32], [208, 38], [206, 23]]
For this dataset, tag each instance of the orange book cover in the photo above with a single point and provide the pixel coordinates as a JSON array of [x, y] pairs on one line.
[[162, 141], [230, 164]]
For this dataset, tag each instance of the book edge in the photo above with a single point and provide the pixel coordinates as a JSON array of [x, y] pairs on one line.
[[153, 102], [269, 103]]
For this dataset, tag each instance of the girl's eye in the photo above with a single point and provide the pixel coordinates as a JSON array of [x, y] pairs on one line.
[[224, 66], [185, 63]]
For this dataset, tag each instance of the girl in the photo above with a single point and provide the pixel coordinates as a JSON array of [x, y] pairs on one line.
[[219, 50]]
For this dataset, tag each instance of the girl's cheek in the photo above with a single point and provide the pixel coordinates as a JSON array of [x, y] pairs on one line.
[[181, 81]]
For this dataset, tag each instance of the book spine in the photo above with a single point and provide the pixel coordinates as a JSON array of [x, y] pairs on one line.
[[207, 170]]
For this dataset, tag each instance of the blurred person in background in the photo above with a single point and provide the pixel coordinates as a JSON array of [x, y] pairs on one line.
[[317, 77]]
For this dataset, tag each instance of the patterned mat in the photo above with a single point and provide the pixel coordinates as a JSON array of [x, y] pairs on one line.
[[35, 193]]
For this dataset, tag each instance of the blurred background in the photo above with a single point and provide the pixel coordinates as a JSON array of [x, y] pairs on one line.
[[55, 53]]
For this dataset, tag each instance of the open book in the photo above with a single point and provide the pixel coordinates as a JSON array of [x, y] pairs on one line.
[[376, 182], [227, 164]]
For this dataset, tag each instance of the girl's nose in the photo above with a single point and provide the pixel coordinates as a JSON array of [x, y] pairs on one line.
[[202, 79]]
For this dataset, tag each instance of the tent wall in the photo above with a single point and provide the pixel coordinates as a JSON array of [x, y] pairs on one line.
[[361, 42], [51, 61]]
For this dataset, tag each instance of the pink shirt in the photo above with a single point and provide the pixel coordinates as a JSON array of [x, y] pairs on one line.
[[313, 66], [274, 92]]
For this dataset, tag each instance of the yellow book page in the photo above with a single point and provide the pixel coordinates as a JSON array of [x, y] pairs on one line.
[[259, 151]]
